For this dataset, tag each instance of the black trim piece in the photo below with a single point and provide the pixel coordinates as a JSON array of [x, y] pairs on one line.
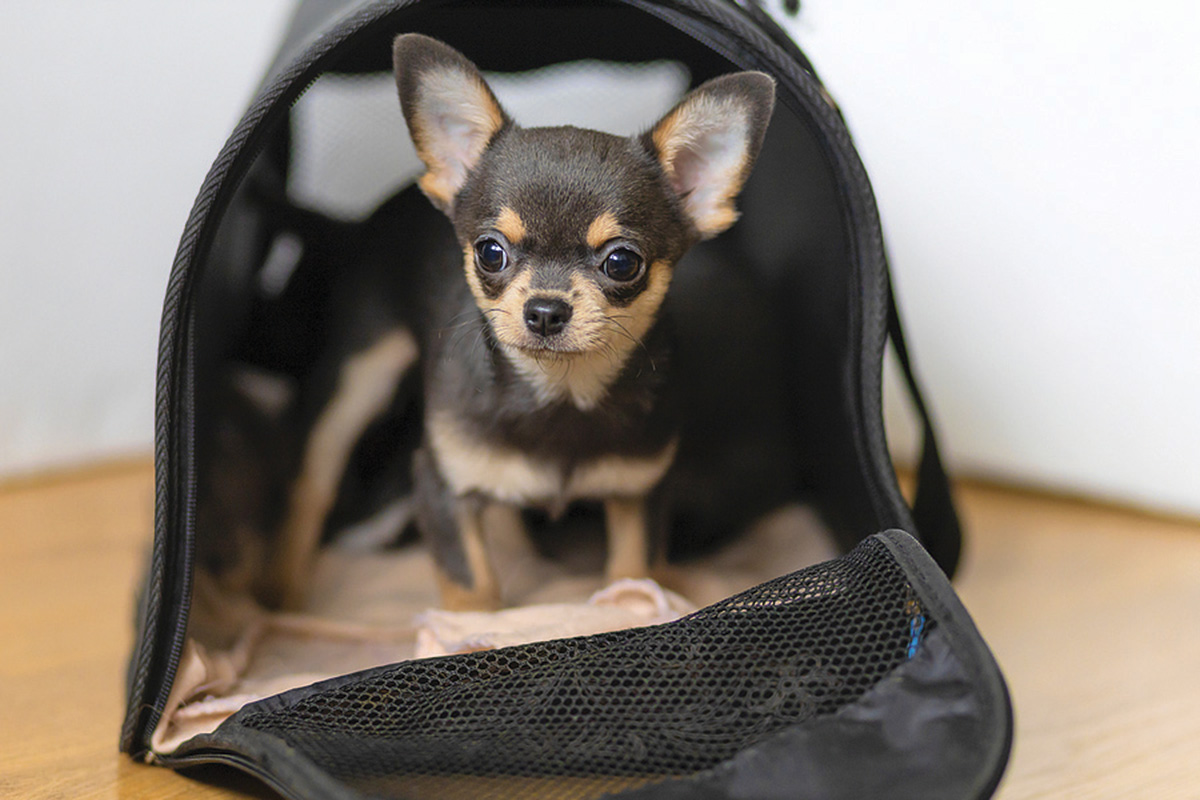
[[940, 598], [933, 507]]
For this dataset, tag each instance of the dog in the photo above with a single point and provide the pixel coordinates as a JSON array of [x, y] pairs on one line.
[[531, 302]]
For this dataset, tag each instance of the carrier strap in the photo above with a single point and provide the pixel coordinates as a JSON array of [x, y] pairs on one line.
[[933, 511]]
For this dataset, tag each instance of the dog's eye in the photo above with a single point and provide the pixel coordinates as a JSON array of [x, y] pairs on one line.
[[491, 255], [622, 265]]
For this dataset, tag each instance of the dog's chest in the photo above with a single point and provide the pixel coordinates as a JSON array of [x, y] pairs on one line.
[[471, 463]]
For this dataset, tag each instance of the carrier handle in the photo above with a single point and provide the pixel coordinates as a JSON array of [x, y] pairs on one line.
[[933, 511]]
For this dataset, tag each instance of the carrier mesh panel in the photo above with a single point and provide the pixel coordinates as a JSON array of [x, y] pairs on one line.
[[584, 717], [350, 152]]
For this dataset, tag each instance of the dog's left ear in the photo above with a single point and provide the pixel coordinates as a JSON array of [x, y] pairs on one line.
[[707, 145], [451, 113]]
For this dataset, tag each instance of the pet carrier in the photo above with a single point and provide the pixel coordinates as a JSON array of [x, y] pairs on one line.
[[858, 676]]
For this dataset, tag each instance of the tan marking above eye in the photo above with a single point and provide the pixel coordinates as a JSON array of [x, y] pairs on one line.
[[603, 228], [509, 223]]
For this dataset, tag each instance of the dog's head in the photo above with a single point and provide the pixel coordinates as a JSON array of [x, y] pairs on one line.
[[570, 235]]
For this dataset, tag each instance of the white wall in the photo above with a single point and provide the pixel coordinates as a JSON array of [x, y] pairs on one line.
[[110, 115], [1036, 166]]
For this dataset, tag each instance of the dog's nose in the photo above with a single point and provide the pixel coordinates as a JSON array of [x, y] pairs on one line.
[[547, 316]]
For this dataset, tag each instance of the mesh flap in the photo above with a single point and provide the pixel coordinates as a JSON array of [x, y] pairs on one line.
[[602, 714]]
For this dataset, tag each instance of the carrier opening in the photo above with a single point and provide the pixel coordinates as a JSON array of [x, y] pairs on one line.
[[770, 486]]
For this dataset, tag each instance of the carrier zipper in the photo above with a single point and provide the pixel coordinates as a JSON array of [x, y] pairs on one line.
[[179, 638]]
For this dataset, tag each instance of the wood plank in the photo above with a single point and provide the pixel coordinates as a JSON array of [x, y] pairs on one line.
[[1094, 616], [71, 552], [1091, 611]]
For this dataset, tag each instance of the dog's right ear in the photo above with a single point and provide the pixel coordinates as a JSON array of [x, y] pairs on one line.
[[451, 113]]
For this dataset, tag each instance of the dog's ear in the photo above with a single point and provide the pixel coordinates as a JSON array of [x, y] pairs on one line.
[[451, 113], [708, 142]]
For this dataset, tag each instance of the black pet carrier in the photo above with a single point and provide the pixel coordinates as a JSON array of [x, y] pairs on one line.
[[857, 676]]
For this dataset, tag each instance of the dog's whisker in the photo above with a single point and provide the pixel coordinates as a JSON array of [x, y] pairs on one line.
[[612, 320], [459, 330]]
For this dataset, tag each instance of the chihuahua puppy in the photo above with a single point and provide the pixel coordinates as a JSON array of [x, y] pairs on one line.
[[528, 300], [568, 238]]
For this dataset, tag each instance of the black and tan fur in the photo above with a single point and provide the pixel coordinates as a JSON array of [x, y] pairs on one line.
[[548, 380]]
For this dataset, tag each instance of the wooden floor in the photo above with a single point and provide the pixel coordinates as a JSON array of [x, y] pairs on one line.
[[1093, 613]]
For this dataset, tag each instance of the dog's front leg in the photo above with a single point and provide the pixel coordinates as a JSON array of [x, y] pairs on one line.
[[454, 530], [629, 545]]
